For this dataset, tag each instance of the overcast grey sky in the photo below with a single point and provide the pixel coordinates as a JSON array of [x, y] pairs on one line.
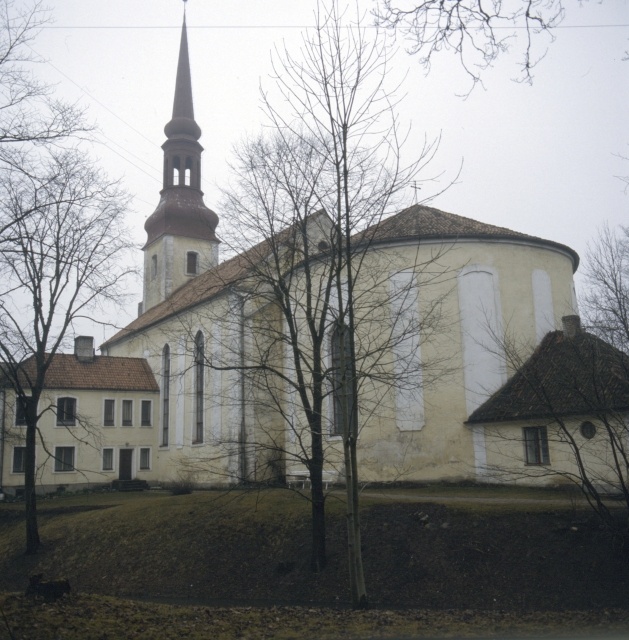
[[539, 159]]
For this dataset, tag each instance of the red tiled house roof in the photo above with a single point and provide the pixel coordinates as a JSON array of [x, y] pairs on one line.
[[414, 223], [580, 375], [102, 373]]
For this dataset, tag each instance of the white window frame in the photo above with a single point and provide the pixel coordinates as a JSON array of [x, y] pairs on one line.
[[105, 400], [113, 459], [18, 446], [150, 424], [56, 459], [63, 425], [149, 454], [15, 422], [122, 405], [542, 450]]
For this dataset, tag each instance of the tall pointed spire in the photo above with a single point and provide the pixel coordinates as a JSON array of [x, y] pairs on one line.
[[183, 122], [181, 225]]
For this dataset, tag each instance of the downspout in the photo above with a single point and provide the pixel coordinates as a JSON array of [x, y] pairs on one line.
[[243, 422], [242, 440], [2, 436]]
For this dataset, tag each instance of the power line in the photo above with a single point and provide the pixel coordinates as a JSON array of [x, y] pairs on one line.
[[305, 26]]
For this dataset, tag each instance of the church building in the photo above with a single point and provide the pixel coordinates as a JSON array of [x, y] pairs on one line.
[[172, 402]]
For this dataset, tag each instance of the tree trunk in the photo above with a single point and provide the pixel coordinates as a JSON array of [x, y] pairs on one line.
[[30, 498], [318, 559], [354, 551]]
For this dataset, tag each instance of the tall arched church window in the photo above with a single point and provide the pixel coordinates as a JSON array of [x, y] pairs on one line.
[[153, 267], [165, 394], [342, 391], [188, 171], [199, 377]]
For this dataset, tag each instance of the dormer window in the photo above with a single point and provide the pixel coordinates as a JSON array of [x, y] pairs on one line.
[[192, 263]]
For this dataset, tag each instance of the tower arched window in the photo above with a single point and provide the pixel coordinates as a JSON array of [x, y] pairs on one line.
[[153, 267], [165, 394], [199, 387], [192, 263], [342, 388], [177, 170], [188, 171]]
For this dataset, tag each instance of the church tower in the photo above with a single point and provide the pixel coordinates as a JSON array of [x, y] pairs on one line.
[[180, 242]]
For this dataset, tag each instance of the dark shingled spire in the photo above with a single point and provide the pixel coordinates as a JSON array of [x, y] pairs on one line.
[[183, 122], [181, 210]]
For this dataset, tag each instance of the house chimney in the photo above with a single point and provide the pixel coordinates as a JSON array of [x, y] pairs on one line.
[[571, 326], [84, 348]]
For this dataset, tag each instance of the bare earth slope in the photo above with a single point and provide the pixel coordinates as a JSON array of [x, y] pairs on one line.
[[252, 549]]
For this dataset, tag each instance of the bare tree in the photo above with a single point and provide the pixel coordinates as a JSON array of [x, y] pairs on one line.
[[606, 300], [476, 31], [310, 324], [58, 264], [29, 113]]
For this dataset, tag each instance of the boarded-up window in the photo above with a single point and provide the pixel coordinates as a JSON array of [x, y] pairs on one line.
[[199, 385], [165, 394]]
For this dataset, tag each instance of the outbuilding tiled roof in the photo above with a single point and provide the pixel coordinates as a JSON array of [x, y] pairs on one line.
[[580, 375], [102, 373], [417, 222]]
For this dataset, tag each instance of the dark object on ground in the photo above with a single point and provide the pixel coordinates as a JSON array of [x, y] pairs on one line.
[[50, 591]]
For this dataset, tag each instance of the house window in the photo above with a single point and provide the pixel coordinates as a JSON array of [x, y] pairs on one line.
[[108, 459], [20, 411], [127, 413], [147, 410], [145, 458], [66, 412], [165, 393], [64, 459], [19, 459], [199, 367], [153, 267], [536, 445], [109, 413], [192, 260], [337, 378]]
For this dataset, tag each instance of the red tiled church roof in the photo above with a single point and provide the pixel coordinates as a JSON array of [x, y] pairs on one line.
[[417, 222]]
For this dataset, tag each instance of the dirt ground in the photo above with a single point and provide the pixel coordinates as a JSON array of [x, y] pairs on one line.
[[504, 566]]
